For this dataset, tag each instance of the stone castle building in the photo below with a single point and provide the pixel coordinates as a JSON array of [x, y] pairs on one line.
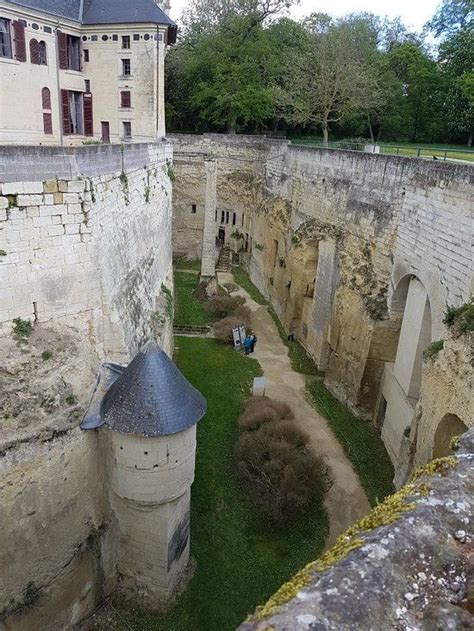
[[82, 71]]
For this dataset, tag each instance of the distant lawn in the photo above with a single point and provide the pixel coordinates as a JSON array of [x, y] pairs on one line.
[[240, 559], [242, 278], [188, 309], [407, 149], [184, 264], [362, 444]]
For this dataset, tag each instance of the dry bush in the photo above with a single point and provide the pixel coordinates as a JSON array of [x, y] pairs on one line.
[[243, 313], [223, 328], [258, 410], [201, 291], [223, 306], [279, 470]]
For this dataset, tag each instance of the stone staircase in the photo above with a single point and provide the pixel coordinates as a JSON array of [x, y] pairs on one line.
[[223, 262]]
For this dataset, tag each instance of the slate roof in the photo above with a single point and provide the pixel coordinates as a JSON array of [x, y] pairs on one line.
[[101, 11], [70, 9], [123, 12], [152, 398]]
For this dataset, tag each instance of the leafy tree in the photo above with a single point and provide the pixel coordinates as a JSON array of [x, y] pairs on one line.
[[326, 77], [451, 16], [456, 60]]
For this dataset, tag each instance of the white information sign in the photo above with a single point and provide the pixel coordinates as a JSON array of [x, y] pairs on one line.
[[237, 340]]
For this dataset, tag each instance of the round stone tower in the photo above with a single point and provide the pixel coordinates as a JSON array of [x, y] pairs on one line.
[[150, 414]]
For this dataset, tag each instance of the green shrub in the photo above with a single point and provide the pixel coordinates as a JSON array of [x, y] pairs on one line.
[[71, 399], [46, 355], [22, 328], [434, 348], [460, 317]]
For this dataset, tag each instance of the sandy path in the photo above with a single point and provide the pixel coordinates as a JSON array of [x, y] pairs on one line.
[[346, 500]]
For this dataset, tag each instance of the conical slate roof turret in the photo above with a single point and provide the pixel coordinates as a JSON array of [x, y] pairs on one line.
[[152, 398]]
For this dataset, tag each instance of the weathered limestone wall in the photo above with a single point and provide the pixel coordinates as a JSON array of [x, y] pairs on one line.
[[54, 527], [446, 402], [85, 240], [406, 565], [353, 234], [91, 248]]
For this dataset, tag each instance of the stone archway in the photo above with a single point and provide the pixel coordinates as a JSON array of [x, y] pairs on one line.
[[402, 379], [449, 427]]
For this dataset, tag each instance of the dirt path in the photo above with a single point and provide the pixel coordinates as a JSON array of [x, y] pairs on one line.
[[346, 500]]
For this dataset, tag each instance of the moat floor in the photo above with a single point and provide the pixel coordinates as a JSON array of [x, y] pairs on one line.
[[346, 501], [239, 558]]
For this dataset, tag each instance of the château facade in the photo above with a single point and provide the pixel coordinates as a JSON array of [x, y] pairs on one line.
[[82, 71]]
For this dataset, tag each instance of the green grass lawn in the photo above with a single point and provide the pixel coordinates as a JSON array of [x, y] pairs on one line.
[[408, 149], [180, 264], [188, 309], [242, 278], [362, 444], [240, 560]]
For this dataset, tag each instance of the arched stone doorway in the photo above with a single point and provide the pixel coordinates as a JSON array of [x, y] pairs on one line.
[[449, 427], [402, 379]]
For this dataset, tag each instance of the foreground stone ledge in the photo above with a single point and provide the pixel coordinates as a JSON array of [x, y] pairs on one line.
[[413, 572]]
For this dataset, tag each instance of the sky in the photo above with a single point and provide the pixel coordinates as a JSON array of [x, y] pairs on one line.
[[414, 13]]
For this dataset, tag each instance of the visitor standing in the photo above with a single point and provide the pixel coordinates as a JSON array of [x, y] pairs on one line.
[[254, 342], [247, 344]]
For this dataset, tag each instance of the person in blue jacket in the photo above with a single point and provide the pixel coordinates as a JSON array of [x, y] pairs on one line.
[[247, 344]]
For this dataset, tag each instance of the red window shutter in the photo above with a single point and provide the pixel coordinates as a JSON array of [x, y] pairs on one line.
[[46, 98], [88, 117], [34, 51], [126, 99], [47, 123], [66, 112], [62, 50], [19, 39]]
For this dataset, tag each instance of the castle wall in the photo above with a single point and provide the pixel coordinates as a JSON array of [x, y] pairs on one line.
[[355, 225], [90, 247], [56, 556], [85, 240]]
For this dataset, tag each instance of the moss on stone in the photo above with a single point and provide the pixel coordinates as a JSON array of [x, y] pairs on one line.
[[440, 465], [382, 515]]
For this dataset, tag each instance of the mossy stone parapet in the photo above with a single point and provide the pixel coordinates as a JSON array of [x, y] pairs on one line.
[[414, 547]]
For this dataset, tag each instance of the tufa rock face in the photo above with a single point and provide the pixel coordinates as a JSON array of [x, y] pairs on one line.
[[415, 571]]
